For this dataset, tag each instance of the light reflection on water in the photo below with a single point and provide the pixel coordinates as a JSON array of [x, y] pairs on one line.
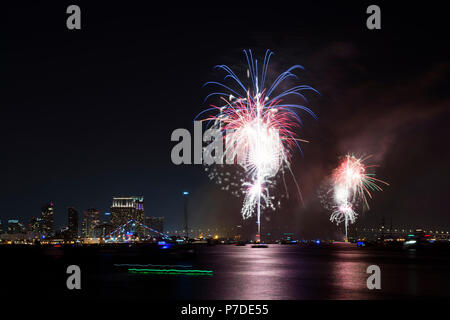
[[264, 274], [292, 272], [279, 272], [283, 272], [339, 272], [349, 276]]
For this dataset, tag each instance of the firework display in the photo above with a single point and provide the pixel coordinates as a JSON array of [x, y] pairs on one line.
[[351, 183], [259, 130]]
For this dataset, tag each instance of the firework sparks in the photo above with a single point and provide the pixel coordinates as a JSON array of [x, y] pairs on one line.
[[259, 130], [351, 184]]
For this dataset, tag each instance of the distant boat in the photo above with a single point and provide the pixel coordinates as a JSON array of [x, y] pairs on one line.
[[199, 242], [260, 246]]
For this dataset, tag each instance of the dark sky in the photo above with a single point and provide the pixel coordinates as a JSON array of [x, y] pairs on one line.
[[88, 114]]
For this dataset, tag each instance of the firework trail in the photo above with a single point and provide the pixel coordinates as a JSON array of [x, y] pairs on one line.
[[351, 184], [259, 130]]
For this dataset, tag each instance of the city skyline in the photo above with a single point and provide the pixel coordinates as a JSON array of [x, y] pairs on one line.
[[105, 217], [83, 224], [96, 122]]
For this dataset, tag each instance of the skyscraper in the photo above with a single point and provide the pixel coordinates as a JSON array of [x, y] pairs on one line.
[[14, 227], [91, 219], [73, 222], [47, 213], [124, 209], [36, 226]]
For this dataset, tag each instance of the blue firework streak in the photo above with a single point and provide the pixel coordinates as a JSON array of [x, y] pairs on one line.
[[260, 129], [258, 80]]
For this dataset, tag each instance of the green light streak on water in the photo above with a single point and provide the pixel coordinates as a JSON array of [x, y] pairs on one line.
[[171, 271]]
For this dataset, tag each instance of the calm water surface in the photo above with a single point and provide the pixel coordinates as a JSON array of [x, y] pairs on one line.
[[292, 272], [239, 272]]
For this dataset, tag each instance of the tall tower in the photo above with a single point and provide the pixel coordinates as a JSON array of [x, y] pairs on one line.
[[123, 209], [72, 216], [47, 214], [382, 228], [91, 219]]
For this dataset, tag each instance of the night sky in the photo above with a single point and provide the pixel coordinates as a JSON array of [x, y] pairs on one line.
[[88, 114]]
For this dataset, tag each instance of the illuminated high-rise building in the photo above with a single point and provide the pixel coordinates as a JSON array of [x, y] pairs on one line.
[[14, 227], [47, 214], [123, 209], [36, 226], [91, 219], [72, 215]]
